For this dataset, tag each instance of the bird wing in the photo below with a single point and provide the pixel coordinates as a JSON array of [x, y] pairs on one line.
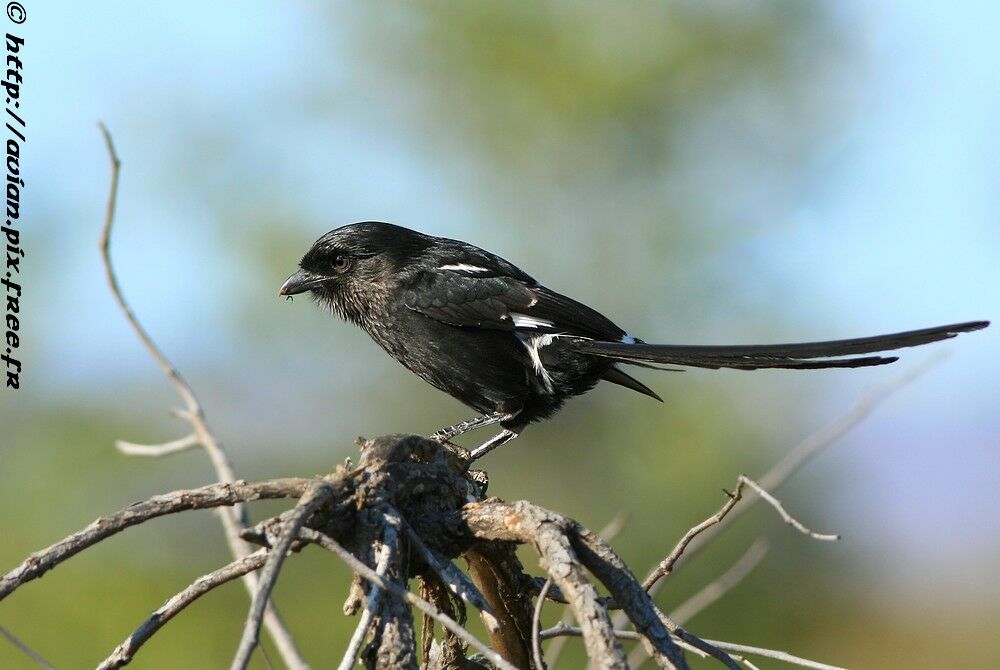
[[464, 297]]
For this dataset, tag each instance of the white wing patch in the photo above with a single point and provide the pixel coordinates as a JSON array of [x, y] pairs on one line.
[[628, 339], [463, 267], [534, 343], [525, 321]]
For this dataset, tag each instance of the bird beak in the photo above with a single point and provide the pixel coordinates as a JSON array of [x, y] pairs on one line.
[[300, 282]]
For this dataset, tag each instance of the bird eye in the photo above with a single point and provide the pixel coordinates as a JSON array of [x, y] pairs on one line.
[[341, 262]]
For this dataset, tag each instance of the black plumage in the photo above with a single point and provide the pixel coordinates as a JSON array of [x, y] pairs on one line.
[[482, 330]]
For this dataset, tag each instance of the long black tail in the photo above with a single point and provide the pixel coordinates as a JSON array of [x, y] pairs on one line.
[[799, 356]]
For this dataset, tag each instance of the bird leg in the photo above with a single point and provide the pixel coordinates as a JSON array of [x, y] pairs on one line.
[[446, 434], [500, 439]]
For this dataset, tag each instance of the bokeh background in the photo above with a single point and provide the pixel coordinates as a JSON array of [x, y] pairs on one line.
[[711, 172]]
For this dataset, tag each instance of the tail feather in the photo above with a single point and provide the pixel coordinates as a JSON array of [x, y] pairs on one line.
[[616, 376], [798, 356]]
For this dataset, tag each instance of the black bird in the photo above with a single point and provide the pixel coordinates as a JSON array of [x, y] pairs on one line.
[[482, 330]]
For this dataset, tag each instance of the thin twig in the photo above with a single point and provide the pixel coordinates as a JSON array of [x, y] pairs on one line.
[[384, 553], [817, 442], [723, 584], [711, 592], [28, 651], [788, 518], [453, 578], [775, 654], [312, 499], [427, 608], [205, 497], [233, 520], [666, 566], [787, 466], [157, 450], [687, 646], [562, 630], [123, 653], [536, 625]]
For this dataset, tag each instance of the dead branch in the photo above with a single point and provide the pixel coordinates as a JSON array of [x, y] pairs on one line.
[[816, 443], [123, 653], [608, 533], [717, 589], [667, 565], [427, 608], [536, 625], [813, 445], [384, 553], [314, 497], [410, 496], [563, 630], [213, 495], [233, 520], [558, 540]]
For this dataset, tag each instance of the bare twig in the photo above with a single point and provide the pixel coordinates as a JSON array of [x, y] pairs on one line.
[[427, 608], [28, 651], [563, 630], [817, 442], [536, 626], [313, 498], [666, 566], [157, 450], [723, 584], [453, 578], [193, 412], [788, 518], [371, 607], [213, 495], [613, 527], [794, 460], [123, 654], [233, 520], [772, 653], [712, 591]]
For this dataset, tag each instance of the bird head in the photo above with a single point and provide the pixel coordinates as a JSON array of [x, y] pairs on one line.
[[352, 268]]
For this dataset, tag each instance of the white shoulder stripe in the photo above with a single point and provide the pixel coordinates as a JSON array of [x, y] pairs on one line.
[[525, 321], [463, 267]]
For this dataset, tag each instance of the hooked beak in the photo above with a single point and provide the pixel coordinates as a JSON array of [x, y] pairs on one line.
[[300, 282]]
